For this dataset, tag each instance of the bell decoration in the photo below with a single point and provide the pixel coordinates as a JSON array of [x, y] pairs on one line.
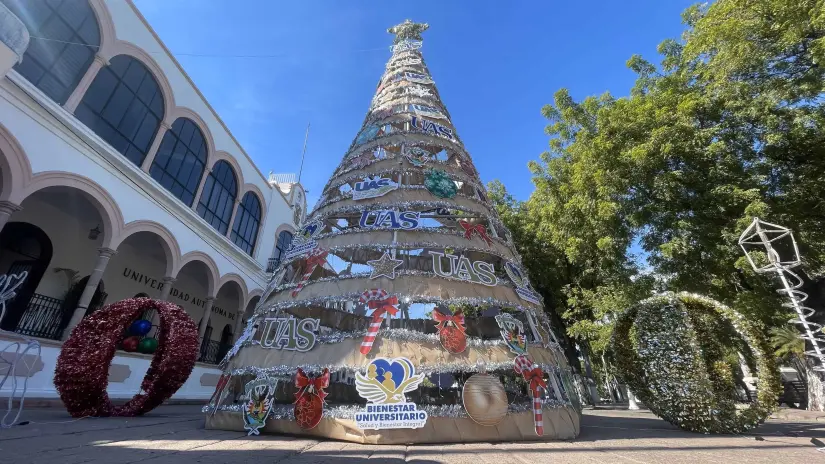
[[309, 399]]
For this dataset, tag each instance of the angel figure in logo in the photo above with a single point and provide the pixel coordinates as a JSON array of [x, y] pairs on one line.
[[387, 380]]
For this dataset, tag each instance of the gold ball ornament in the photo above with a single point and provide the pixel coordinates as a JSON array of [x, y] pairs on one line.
[[485, 399]]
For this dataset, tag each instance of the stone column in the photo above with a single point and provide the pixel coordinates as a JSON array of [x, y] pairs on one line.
[[235, 208], [167, 287], [207, 311], [84, 84], [153, 150], [240, 324], [91, 287], [7, 208]]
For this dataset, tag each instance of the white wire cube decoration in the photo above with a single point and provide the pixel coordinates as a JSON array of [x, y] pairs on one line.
[[15, 354], [772, 248]]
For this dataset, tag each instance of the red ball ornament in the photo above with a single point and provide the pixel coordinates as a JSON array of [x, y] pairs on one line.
[[131, 344], [308, 411], [451, 331], [453, 339], [309, 399], [82, 371]]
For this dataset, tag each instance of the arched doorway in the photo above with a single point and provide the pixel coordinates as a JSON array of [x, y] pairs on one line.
[[25, 247], [208, 348], [226, 342]]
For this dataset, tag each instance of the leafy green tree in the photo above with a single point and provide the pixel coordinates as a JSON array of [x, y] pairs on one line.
[[728, 126]]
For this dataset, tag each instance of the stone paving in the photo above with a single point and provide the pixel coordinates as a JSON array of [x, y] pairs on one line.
[[175, 434]]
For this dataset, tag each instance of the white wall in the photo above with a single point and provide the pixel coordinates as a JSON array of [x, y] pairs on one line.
[[129, 27], [41, 384], [71, 247]]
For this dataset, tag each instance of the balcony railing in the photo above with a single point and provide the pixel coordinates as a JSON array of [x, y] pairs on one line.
[[271, 265], [42, 318], [212, 352]]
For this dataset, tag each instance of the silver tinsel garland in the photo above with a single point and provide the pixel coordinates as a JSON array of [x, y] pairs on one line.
[[338, 250], [287, 372], [413, 298], [321, 215], [407, 335], [399, 273], [456, 141], [459, 176], [386, 140], [348, 196], [286, 411]]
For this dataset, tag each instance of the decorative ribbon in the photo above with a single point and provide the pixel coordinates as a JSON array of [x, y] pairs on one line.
[[535, 380], [457, 320], [316, 258], [381, 305], [469, 229], [314, 386]]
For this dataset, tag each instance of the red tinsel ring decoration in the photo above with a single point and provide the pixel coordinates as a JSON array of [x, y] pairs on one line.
[[82, 371]]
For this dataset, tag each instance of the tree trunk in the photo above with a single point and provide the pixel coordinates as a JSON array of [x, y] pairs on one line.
[[591, 381], [631, 401]]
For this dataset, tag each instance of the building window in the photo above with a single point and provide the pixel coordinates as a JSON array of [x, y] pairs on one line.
[[247, 220], [181, 160], [218, 196], [65, 37], [124, 106], [284, 240]]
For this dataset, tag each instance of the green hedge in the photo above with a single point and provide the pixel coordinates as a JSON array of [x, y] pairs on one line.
[[677, 352]]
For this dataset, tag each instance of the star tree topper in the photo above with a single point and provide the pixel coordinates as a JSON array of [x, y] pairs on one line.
[[408, 30], [385, 266]]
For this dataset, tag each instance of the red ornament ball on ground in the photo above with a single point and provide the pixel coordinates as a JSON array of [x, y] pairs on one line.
[[130, 344], [82, 371]]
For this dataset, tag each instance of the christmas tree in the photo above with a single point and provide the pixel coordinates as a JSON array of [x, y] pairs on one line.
[[401, 313]]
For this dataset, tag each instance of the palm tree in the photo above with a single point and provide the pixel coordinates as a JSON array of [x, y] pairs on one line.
[[790, 349]]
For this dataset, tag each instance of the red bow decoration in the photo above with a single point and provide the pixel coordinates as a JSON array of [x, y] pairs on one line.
[[313, 386], [535, 378], [383, 306], [457, 319], [477, 228]]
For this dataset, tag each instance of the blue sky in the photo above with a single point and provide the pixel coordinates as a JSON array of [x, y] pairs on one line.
[[495, 64]]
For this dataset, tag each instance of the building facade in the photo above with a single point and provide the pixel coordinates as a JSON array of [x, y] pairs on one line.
[[118, 179]]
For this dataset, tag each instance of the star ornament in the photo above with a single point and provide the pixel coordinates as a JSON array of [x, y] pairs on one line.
[[408, 30], [385, 266]]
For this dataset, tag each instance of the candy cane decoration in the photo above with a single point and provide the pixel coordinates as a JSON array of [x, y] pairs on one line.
[[535, 379], [377, 300], [316, 258]]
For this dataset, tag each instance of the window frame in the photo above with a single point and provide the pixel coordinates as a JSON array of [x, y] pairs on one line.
[[244, 218], [61, 46], [281, 251], [209, 192], [174, 138], [99, 110]]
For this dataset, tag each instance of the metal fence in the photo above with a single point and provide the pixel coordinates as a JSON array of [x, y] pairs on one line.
[[272, 264], [212, 352], [42, 318]]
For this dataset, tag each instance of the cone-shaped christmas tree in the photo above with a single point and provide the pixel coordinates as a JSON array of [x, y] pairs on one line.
[[401, 312]]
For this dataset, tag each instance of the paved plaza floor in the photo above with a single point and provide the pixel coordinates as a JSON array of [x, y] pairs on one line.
[[175, 434]]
